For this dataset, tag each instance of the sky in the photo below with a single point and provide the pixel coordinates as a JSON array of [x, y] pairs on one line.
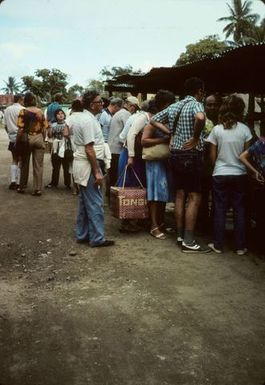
[[80, 37]]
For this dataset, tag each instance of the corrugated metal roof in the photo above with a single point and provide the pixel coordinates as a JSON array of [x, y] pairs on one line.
[[240, 69]]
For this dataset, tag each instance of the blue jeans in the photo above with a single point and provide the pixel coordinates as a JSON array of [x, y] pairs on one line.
[[229, 190], [90, 215]]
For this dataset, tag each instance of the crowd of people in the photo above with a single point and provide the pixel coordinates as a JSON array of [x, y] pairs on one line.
[[196, 152]]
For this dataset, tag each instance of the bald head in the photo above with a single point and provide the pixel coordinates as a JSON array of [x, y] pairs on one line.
[[212, 106]]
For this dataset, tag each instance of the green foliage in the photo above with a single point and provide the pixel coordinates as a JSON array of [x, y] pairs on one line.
[[74, 91], [96, 85], [46, 83], [241, 22], [107, 73], [204, 48], [11, 86], [256, 34]]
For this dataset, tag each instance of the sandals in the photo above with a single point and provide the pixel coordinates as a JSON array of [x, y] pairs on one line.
[[20, 190], [155, 232]]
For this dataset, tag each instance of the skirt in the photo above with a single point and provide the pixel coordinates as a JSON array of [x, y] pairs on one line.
[[157, 176]]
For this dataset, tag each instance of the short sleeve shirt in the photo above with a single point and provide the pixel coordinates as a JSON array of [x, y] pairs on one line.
[[86, 129], [10, 120], [31, 122], [230, 144], [189, 107], [57, 130]]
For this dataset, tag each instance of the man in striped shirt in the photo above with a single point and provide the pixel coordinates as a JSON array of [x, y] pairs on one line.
[[185, 120]]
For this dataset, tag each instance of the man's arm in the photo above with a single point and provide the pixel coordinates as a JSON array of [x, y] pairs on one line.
[[91, 155], [199, 124], [160, 120]]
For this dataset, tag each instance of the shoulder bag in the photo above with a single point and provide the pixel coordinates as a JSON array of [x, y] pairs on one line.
[[156, 152]]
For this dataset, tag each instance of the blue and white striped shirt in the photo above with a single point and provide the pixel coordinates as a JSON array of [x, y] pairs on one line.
[[185, 127]]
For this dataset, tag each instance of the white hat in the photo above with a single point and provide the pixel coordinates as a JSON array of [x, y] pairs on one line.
[[133, 100]]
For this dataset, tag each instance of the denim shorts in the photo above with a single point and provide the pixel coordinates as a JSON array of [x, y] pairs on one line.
[[187, 170]]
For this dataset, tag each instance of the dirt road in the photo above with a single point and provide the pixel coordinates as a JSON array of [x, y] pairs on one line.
[[140, 313]]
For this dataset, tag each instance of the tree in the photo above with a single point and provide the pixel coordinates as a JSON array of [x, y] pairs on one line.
[[205, 48], [96, 84], [256, 34], [240, 21], [46, 83], [74, 91], [117, 71], [11, 86]]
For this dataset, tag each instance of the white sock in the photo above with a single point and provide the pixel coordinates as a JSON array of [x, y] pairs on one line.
[[13, 173], [18, 174]]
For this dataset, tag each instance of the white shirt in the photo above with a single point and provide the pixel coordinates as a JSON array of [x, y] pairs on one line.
[[137, 126], [128, 124], [10, 120], [230, 144], [86, 129]]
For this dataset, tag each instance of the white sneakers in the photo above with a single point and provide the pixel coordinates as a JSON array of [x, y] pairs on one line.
[[194, 248]]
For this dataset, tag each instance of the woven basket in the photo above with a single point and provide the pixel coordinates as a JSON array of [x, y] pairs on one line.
[[129, 202]]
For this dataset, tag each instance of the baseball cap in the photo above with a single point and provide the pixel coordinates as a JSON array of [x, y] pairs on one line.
[[133, 100]]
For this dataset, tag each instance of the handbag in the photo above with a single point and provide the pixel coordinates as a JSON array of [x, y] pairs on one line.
[[68, 152], [157, 152], [129, 202]]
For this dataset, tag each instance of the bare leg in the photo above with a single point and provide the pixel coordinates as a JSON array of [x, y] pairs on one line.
[[155, 213], [179, 208], [192, 208], [191, 216]]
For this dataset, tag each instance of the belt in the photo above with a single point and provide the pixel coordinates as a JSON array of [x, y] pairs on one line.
[[35, 133], [176, 151]]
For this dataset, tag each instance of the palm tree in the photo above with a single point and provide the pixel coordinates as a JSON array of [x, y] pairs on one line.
[[240, 22], [11, 86], [257, 33]]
